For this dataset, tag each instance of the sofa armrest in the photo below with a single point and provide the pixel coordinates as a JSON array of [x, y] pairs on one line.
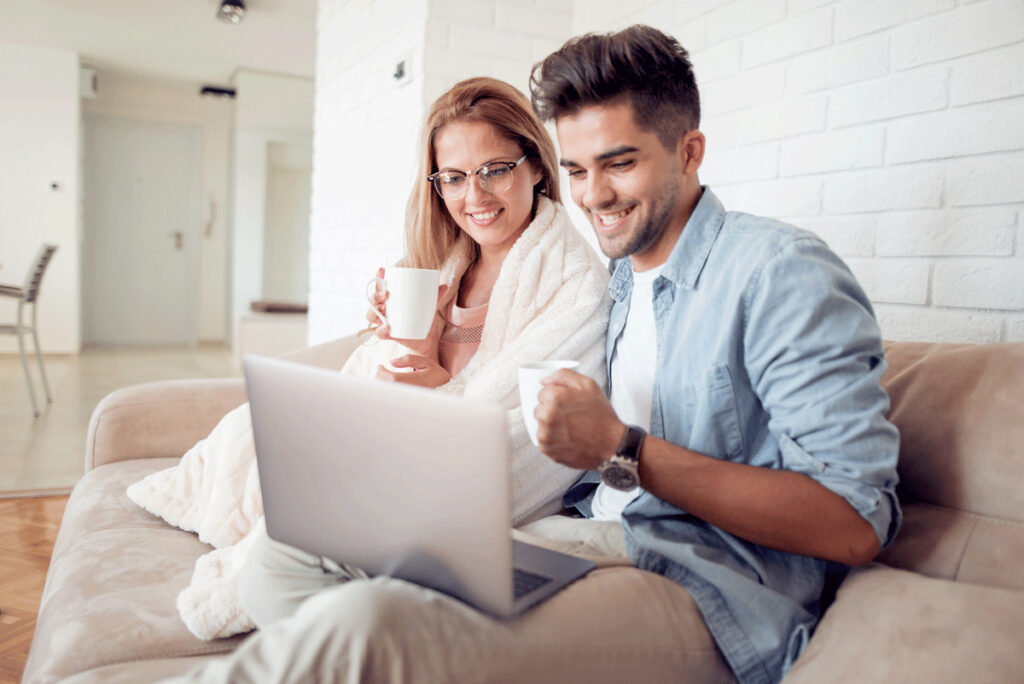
[[158, 419], [165, 419]]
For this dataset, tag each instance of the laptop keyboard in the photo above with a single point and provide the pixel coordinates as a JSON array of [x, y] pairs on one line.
[[524, 582]]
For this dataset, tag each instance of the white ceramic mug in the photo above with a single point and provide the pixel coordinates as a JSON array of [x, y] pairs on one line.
[[530, 376], [412, 300]]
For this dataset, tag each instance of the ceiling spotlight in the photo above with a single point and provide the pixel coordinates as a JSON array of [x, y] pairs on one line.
[[231, 11]]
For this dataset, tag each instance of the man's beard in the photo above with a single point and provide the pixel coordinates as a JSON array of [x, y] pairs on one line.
[[648, 232]]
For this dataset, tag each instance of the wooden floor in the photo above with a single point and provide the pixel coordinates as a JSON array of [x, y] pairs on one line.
[[28, 528]]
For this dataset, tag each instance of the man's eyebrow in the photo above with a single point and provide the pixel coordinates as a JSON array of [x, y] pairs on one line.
[[616, 151], [604, 156]]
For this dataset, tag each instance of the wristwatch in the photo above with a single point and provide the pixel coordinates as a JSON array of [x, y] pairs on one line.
[[621, 471]]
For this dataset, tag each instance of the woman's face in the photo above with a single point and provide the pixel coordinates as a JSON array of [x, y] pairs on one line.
[[493, 219]]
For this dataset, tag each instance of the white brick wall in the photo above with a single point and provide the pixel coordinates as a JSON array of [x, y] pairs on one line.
[[844, 64], [991, 179], [850, 235], [929, 323], [980, 283], [788, 38], [859, 17], [893, 129], [955, 232], [833, 151], [367, 126], [890, 128], [886, 189], [365, 130], [893, 281], [992, 75], [961, 31], [742, 17], [922, 90]]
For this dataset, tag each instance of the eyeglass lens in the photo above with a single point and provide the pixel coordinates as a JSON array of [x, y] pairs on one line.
[[493, 177]]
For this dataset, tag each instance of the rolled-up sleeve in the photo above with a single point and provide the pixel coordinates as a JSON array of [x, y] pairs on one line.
[[815, 359]]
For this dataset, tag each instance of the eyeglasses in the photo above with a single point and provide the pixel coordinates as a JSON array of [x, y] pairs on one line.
[[492, 177]]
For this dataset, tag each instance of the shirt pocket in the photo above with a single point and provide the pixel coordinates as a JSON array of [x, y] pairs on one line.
[[711, 421]]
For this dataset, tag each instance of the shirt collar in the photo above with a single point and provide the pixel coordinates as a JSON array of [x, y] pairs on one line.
[[685, 263], [688, 257]]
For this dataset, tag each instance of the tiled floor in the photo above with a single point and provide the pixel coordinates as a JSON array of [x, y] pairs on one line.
[[46, 454]]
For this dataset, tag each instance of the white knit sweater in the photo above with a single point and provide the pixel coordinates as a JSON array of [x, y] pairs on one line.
[[550, 302]]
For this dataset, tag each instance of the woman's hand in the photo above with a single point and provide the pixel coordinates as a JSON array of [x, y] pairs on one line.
[[377, 303], [426, 347], [423, 372]]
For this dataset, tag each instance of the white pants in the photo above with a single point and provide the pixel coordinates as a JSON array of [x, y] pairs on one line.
[[321, 622]]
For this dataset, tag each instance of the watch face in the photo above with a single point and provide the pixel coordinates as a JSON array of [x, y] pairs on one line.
[[618, 477]]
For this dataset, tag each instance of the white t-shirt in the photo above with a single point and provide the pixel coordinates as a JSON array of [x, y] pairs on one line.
[[632, 379]]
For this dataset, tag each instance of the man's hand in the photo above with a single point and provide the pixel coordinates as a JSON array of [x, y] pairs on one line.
[[425, 372], [577, 427], [576, 424]]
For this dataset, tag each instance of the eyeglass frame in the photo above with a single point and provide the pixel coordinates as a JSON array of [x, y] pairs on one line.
[[435, 177]]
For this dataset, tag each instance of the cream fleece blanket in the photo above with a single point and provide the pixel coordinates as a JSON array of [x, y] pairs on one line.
[[550, 301]]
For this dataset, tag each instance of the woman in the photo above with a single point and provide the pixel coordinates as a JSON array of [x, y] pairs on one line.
[[519, 285]]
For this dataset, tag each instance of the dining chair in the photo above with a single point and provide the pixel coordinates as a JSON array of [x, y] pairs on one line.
[[29, 294]]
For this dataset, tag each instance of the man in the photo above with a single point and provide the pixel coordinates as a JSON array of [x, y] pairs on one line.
[[750, 355], [742, 345]]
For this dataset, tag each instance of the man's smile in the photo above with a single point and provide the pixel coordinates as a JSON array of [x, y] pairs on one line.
[[610, 220]]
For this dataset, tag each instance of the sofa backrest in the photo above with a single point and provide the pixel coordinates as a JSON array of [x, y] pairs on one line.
[[331, 354], [960, 412]]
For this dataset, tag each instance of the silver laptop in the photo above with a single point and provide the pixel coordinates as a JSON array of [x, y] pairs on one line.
[[398, 481]]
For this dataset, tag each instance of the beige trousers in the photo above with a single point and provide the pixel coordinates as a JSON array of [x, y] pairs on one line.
[[617, 624]]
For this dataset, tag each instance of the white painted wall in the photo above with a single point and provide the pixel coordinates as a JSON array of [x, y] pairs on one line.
[[146, 99], [268, 109], [286, 237], [367, 125], [39, 145], [892, 129]]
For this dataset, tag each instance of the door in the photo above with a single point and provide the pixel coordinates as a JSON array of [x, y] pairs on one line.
[[140, 248]]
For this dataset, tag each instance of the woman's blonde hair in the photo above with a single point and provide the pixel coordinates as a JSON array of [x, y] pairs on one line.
[[431, 235]]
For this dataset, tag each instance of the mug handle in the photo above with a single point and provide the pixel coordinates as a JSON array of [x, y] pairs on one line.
[[375, 282]]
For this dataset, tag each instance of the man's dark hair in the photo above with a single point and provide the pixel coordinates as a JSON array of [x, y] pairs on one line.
[[651, 69]]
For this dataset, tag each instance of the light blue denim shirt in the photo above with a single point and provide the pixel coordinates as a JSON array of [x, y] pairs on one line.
[[769, 355]]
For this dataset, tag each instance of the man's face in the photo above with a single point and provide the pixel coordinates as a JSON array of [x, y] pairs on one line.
[[625, 181]]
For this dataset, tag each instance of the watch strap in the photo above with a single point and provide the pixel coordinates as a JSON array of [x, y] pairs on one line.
[[630, 444]]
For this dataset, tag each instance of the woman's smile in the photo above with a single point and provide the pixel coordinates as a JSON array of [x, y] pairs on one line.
[[484, 218]]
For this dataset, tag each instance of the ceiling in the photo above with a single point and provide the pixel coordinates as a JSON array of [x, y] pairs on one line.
[[170, 39]]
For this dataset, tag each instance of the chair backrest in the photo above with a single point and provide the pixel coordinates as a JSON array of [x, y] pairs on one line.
[[35, 276]]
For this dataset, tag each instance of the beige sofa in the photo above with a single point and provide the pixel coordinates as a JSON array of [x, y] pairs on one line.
[[945, 603]]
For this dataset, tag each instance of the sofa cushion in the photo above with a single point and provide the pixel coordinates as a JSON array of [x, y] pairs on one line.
[[960, 412], [113, 581], [889, 625], [139, 671], [949, 544]]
